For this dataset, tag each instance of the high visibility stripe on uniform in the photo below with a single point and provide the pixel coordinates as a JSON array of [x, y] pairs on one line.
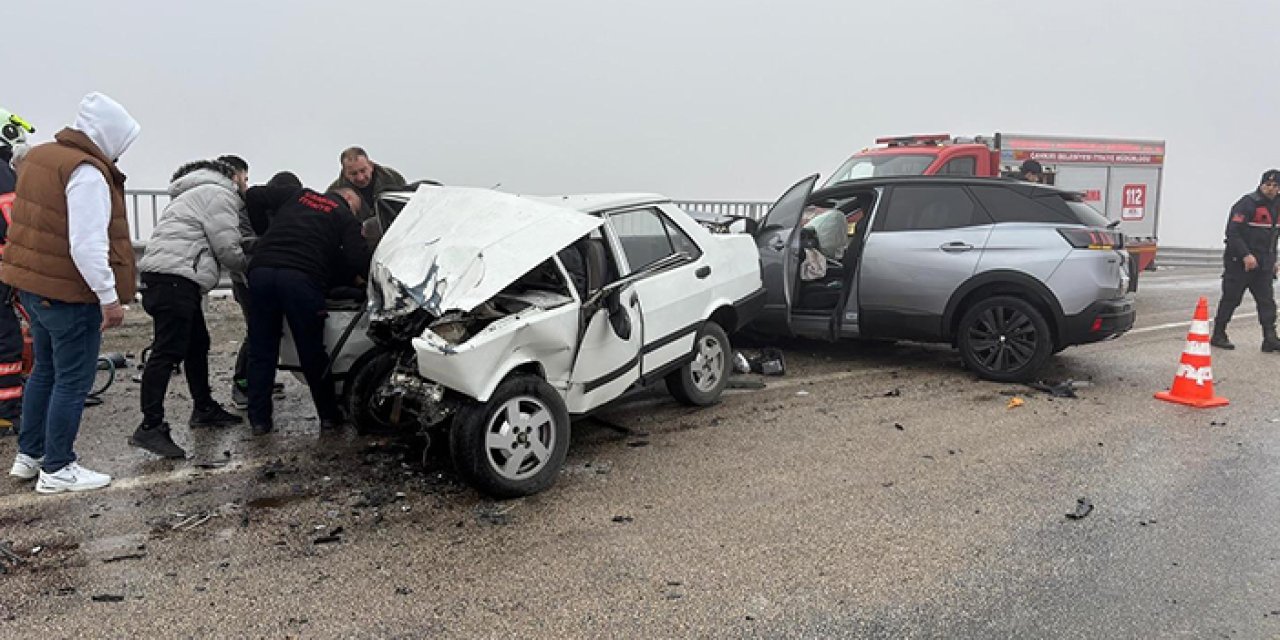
[[10, 368], [1197, 348], [12, 393], [1200, 327]]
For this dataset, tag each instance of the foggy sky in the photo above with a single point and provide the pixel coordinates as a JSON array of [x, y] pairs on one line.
[[715, 99]]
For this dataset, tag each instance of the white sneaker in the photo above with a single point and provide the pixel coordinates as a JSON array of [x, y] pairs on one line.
[[72, 477], [25, 467]]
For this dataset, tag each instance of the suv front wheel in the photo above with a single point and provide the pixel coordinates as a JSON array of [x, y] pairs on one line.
[[1005, 339]]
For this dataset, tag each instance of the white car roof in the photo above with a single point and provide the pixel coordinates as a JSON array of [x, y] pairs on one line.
[[597, 202], [584, 202]]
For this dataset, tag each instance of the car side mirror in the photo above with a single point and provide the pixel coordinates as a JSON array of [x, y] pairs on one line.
[[619, 319]]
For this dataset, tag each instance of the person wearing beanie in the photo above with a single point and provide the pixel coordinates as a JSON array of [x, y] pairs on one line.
[[1031, 171], [1249, 262], [69, 254], [305, 238], [196, 237]]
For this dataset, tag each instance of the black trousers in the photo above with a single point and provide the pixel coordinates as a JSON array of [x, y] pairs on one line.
[[240, 291], [173, 302], [278, 296], [1260, 282], [10, 356]]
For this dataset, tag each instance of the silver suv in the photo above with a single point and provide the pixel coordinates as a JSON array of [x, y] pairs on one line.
[[1008, 272]]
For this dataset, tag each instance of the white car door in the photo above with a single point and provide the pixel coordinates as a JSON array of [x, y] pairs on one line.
[[672, 300], [608, 358]]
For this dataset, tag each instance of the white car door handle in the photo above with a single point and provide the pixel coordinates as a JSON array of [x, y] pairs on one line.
[[956, 247]]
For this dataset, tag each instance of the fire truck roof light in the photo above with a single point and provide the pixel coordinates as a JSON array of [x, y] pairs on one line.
[[915, 140]]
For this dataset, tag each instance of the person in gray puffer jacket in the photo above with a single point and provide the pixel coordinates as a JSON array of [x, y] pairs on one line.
[[196, 237]]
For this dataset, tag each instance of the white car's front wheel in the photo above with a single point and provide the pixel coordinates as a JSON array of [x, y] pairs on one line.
[[514, 444], [701, 381]]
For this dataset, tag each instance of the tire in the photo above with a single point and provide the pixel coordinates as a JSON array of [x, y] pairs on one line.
[[1004, 339], [483, 440], [701, 381], [368, 374]]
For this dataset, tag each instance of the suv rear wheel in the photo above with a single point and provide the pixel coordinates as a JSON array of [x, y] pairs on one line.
[[1005, 339]]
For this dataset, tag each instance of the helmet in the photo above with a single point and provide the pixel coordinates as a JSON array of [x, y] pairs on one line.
[[13, 130]]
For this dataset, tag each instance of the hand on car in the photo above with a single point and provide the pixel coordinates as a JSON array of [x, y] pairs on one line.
[[1250, 263], [112, 315]]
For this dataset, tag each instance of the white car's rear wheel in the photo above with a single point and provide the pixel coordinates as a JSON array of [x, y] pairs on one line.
[[702, 380]]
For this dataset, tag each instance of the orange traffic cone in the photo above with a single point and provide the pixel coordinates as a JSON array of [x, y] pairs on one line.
[[1193, 383]]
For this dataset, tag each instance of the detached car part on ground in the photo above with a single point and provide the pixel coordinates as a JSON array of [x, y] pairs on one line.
[[493, 318], [1006, 271]]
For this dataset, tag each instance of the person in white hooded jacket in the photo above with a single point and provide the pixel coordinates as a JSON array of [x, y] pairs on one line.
[[197, 236], [69, 254]]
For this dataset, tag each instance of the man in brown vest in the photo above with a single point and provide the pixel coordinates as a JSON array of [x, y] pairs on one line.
[[70, 256]]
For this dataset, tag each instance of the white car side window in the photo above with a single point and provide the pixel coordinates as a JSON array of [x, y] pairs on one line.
[[643, 236]]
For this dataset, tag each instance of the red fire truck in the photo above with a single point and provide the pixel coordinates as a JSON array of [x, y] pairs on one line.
[[1119, 178]]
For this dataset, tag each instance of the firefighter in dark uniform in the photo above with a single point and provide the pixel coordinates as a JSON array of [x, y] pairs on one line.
[[1250, 262], [13, 132]]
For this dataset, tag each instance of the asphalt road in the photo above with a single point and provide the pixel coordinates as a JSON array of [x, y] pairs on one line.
[[872, 492]]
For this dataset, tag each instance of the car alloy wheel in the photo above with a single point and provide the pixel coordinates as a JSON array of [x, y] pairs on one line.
[[520, 438], [1003, 338], [706, 372], [708, 363]]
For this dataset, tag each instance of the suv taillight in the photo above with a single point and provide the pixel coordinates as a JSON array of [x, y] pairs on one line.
[[1093, 238]]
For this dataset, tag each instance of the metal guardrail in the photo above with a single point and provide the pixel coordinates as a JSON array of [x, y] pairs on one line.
[[144, 207], [749, 209], [1188, 257]]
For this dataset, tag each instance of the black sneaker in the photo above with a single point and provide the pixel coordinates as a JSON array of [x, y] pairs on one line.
[[213, 416], [1270, 344], [1221, 341], [262, 428], [157, 440], [239, 397]]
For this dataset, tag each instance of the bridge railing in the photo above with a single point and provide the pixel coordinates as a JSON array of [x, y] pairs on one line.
[[145, 206], [749, 209]]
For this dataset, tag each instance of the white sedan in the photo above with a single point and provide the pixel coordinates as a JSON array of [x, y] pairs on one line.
[[492, 318]]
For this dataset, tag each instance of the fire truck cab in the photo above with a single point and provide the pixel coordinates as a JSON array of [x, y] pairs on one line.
[[1120, 178]]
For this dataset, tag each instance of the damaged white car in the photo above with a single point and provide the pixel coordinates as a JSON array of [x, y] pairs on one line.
[[493, 318]]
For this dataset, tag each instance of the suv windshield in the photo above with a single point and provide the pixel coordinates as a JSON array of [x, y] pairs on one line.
[[873, 166]]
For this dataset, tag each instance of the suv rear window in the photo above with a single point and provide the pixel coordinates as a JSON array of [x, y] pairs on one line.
[[1089, 216], [1006, 205]]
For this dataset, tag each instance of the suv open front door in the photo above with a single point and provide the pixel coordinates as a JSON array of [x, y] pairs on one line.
[[778, 240]]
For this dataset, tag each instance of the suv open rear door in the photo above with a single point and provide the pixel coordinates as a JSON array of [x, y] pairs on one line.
[[778, 240]]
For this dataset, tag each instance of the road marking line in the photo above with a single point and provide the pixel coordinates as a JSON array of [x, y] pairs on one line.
[[30, 497], [1171, 325]]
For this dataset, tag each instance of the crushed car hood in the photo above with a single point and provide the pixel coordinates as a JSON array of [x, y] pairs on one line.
[[454, 248]]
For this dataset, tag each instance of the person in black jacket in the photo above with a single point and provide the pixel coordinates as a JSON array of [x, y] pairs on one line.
[[304, 238], [1250, 262]]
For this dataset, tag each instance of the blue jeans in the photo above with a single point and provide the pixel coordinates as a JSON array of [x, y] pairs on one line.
[[65, 339]]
